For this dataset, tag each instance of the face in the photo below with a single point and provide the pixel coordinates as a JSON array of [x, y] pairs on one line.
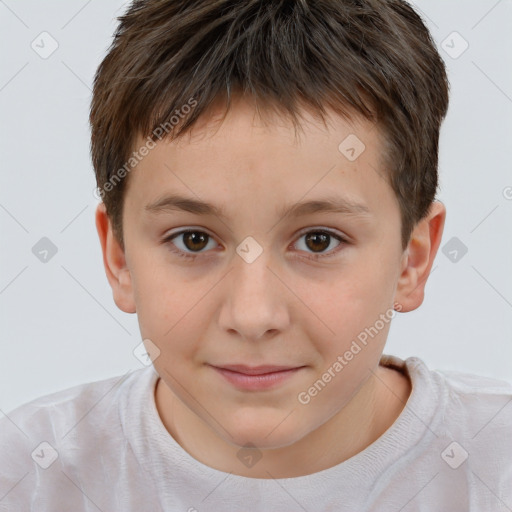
[[250, 284]]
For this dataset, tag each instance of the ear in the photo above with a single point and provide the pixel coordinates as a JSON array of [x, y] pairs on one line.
[[114, 260], [418, 258]]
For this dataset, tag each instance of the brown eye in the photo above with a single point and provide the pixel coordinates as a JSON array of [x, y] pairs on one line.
[[316, 243], [195, 240], [189, 243]]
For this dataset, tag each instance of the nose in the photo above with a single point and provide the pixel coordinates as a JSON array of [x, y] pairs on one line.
[[255, 299]]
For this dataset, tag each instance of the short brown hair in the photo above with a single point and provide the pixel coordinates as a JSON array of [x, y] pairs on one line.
[[372, 57]]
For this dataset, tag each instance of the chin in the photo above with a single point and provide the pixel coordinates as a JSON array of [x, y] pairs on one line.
[[262, 441], [265, 434]]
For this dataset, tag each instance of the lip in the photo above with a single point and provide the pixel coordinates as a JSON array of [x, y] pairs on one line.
[[256, 378], [255, 370]]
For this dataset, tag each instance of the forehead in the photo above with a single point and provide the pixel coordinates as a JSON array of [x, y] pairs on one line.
[[265, 160]]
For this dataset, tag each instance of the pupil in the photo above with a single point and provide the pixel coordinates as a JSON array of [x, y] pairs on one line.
[[323, 238], [195, 237]]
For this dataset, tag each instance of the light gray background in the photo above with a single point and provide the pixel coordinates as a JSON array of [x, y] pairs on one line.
[[59, 325]]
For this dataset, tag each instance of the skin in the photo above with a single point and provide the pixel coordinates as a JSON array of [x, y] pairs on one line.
[[283, 308]]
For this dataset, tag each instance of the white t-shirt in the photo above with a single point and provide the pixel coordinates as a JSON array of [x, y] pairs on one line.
[[102, 446]]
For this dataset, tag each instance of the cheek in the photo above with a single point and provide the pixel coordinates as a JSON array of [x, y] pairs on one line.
[[348, 311], [352, 296], [165, 303], [174, 315]]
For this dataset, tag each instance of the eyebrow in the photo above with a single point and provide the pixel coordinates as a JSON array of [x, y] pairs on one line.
[[330, 204]]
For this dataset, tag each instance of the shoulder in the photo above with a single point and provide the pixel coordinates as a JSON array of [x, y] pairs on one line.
[[57, 430], [474, 417], [480, 407], [468, 400], [57, 410], [479, 395], [461, 390]]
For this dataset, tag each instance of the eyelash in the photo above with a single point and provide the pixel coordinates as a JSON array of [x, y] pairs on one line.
[[192, 256]]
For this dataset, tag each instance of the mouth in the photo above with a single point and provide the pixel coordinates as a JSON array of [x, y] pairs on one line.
[[256, 378]]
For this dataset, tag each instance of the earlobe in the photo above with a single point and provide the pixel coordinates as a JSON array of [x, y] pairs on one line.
[[419, 257], [114, 261]]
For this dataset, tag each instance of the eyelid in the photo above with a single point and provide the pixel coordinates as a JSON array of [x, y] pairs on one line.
[[325, 229]]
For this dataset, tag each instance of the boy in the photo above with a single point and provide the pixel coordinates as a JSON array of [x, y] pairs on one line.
[[268, 388]]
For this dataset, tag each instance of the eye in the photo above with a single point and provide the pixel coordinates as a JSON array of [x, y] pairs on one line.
[[192, 240], [318, 240]]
